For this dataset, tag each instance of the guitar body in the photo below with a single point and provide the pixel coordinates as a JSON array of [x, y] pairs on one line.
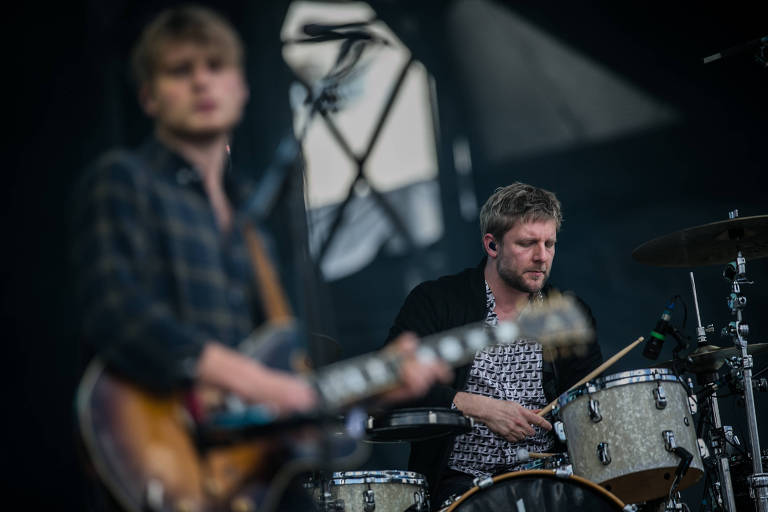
[[143, 448]]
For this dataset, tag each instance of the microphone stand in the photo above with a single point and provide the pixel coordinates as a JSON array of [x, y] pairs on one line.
[[285, 178]]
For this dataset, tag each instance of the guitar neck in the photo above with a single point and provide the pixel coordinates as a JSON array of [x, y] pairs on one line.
[[354, 380]]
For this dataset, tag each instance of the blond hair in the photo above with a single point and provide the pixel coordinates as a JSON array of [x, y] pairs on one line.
[[193, 24], [516, 202]]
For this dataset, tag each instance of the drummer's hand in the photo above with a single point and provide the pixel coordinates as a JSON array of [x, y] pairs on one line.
[[510, 420], [416, 375]]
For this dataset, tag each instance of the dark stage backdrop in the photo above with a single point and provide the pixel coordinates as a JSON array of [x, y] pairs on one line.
[[71, 100]]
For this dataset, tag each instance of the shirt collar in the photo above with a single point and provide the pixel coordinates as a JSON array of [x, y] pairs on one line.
[[182, 171]]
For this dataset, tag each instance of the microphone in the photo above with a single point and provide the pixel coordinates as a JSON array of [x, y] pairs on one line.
[[659, 334], [317, 29], [319, 33], [735, 50]]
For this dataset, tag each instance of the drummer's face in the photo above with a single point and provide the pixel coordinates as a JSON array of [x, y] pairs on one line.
[[525, 255]]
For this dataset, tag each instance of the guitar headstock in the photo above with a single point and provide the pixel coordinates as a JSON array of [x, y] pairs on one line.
[[559, 323]]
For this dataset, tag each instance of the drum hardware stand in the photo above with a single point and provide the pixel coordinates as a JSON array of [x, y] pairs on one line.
[[327, 503], [675, 504], [735, 272], [685, 460], [723, 493]]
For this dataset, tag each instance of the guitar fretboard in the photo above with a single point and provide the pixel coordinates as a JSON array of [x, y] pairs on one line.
[[558, 324]]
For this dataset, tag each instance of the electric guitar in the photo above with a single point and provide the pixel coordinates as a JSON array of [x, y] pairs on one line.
[[152, 455]]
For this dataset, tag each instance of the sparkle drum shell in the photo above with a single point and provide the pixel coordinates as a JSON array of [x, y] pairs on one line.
[[616, 428], [390, 490]]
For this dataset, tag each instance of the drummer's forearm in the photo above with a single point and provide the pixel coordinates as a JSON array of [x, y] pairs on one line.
[[471, 404]]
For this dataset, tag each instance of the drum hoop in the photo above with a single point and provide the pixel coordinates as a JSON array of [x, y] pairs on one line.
[[378, 477], [542, 472], [617, 380], [419, 417]]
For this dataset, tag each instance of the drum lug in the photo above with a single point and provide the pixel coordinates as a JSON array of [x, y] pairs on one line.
[[693, 404], [669, 440], [559, 431], [483, 482], [369, 501], [603, 454], [703, 449], [660, 396], [630, 508], [421, 503], [593, 408]]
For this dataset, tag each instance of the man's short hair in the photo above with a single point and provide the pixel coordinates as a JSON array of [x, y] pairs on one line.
[[184, 24], [516, 202]]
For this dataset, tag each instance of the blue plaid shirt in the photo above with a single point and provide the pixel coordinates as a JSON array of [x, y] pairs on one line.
[[157, 278]]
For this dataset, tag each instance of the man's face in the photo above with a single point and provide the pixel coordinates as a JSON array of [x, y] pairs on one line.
[[195, 93], [525, 254]]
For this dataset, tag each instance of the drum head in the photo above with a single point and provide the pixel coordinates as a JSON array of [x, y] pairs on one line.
[[416, 424], [537, 490]]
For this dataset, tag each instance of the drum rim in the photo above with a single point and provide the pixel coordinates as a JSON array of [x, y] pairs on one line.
[[437, 421], [378, 477], [454, 416], [617, 380], [542, 472]]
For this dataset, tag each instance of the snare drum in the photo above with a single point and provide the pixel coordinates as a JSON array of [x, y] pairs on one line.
[[621, 431], [382, 491], [536, 490]]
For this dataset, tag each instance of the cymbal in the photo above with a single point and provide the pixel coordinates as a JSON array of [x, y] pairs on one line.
[[710, 358], [708, 244]]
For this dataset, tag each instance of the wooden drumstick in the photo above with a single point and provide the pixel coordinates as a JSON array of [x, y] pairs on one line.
[[540, 455], [597, 371]]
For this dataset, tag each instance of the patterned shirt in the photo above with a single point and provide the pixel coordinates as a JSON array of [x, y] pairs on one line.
[[157, 278], [505, 372]]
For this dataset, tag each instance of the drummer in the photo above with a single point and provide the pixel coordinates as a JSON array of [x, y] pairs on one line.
[[504, 386]]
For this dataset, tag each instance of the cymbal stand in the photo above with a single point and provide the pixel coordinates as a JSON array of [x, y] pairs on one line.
[[708, 379], [735, 272]]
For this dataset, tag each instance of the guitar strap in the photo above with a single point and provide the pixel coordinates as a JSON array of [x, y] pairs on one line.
[[276, 306]]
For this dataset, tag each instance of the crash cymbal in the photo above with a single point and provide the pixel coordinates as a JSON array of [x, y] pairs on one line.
[[710, 358], [708, 244]]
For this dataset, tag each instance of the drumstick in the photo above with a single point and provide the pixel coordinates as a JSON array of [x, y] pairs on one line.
[[542, 455], [597, 371]]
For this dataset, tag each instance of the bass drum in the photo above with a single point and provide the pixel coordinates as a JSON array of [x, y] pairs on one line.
[[534, 490]]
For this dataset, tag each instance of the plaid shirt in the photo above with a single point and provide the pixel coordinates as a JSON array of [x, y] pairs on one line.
[[157, 277]]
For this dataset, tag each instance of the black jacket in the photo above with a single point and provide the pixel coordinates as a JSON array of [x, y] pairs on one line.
[[453, 301]]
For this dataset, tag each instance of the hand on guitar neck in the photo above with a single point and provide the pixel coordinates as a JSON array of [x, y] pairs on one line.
[[280, 392], [416, 374], [283, 393]]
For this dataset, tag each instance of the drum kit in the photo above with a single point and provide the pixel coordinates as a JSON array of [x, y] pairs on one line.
[[633, 439]]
